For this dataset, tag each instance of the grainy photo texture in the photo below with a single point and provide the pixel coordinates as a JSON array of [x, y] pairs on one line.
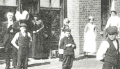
[[59, 34]]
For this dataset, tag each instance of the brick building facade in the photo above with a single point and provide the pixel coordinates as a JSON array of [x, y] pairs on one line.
[[78, 12]]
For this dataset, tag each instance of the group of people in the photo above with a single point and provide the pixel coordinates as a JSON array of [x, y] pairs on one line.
[[19, 36], [108, 51]]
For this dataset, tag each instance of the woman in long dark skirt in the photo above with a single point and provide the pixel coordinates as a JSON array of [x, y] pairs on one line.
[[37, 35]]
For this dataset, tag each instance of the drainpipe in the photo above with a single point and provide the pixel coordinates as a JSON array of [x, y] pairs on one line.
[[20, 5], [38, 7]]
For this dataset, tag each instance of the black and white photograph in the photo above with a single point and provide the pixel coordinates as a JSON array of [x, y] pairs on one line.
[[59, 34]]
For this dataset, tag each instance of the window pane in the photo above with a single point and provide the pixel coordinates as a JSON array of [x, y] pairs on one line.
[[10, 2], [55, 3], [44, 3], [1, 2]]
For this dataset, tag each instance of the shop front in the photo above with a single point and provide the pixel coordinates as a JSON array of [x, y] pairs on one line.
[[52, 13]]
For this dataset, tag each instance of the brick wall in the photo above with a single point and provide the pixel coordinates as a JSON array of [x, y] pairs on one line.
[[117, 7], [78, 12], [87, 8], [73, 15]]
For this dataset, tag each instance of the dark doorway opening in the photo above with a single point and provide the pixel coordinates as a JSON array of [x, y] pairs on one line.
[[105, 12], [51, 20]]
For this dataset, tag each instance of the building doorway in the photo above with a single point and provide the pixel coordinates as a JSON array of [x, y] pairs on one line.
[[105, 12], [51, 20], [52, 13]]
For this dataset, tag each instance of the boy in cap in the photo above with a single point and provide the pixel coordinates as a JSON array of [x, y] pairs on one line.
[[109, 49], [68, 45], [22, 39]]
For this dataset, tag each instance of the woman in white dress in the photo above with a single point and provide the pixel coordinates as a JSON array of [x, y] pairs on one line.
[[89, 37]]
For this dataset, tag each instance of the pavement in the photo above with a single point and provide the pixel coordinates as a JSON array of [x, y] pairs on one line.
[[54, 63]]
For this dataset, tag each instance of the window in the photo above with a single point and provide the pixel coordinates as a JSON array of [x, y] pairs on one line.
[[44, 3], [50, 3], [8, 2]]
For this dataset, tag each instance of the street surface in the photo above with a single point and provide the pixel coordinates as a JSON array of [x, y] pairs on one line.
[[79, 63]]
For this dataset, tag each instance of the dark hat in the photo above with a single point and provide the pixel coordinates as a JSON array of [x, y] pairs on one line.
[[23, 25], [67, 30], [112, 30], [36, 15], [114, 11]]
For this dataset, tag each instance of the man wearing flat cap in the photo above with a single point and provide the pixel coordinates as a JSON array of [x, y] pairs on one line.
[[109, 49], [23, 38]]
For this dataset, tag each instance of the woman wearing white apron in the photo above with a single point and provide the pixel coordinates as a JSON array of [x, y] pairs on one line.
[[90, 37]]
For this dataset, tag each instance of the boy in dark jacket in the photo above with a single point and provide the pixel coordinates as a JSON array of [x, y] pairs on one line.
[[67, 43], [22, 38]]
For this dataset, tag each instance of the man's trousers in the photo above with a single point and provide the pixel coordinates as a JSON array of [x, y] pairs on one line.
[[67, 61], [8, 52], [108, 65], [14, 56], [23, 57]]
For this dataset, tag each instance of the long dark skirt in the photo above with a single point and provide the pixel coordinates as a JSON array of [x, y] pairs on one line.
[[37, 46]]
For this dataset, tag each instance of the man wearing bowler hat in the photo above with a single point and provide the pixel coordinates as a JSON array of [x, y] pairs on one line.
[[109, 49]]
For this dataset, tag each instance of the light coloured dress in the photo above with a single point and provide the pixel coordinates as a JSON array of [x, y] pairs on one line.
[[89, 38]]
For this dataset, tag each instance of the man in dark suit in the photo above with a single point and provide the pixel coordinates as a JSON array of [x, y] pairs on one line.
[[9, 29]]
